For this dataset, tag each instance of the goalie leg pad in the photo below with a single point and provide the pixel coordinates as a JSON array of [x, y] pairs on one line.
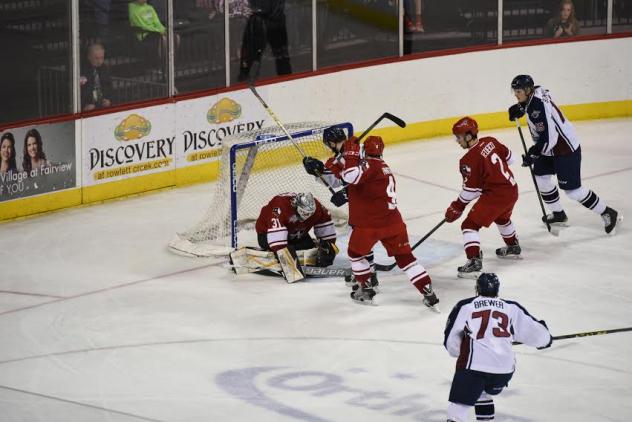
[[249, 260], [292, 271]]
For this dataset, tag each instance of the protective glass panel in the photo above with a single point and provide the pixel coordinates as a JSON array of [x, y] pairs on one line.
[[351, 31], [276, 32], [447, 24], [35, 76]]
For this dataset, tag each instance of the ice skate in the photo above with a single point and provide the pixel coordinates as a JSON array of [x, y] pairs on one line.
[[472, 268], [373, 282], [430, 298], [363, 296], [610, 219], [509, 252], [556, 219]]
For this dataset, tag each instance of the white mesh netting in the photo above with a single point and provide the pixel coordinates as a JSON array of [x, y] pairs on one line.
[[261, 171]]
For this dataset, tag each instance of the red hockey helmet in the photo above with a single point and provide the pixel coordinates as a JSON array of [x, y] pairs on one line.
[[465, 125], [374, 146]]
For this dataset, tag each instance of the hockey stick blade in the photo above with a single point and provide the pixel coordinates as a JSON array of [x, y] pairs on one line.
[[325, 272], [399, 122]]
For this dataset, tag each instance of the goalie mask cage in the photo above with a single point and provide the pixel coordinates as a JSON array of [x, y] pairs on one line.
[[254, 167]]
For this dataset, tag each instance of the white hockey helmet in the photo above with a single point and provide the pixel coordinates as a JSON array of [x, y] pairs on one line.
[[304, 204]]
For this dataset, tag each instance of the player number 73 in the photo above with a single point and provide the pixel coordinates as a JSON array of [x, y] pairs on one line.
[[500, 330]]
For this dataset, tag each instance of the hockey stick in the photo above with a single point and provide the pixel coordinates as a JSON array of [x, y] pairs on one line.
[[251, 85], [586, 334], [551, 229], [380, 267], [399, 122]]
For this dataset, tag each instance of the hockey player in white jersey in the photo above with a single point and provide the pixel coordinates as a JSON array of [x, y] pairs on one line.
[[479, 332], [556, 150]]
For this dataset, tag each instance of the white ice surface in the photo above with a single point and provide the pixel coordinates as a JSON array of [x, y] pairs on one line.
[[99, 322]]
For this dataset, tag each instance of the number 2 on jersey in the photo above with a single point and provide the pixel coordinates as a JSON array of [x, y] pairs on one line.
[[496, 159], [392, 195], [503, 323]]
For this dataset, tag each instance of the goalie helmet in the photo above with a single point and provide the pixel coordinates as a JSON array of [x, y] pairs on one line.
[[304, 204], [332, 135], [487, 284], [465, 125], [522, 82], [374, 146]]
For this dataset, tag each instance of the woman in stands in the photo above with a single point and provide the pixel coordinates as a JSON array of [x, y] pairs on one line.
[[7, 154], [564, 24], [34, 156]]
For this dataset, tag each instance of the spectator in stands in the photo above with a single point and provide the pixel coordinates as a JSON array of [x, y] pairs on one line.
[[102, 18], [96, 83], [34, 156], [564, 24], [265, 25], [413, 19], [144, 19], [7, 153]]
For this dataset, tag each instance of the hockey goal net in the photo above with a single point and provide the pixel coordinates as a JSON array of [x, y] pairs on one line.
[[254, 167]]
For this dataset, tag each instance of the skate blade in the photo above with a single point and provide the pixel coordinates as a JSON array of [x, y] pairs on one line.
[[555, 230], [371, 302], [434, 308], [614, 230], [471, 276], [513, 257]]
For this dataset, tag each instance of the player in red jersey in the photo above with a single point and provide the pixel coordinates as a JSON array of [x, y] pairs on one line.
[[287, 219], [334, 138], [374, 217], [486, 176]]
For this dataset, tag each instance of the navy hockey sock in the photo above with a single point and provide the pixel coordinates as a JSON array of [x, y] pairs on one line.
[[484, 409]]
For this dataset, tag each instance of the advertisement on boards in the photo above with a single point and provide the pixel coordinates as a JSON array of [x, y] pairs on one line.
[[128, 144], [37, 159], [203, 123]]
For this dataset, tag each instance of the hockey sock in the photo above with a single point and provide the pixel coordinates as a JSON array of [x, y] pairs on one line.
[[416, 273], [360, 267], [484, 408], [549, 192], [587, 198], [369, 258], [471, 238], [458, 412], [507, 231]]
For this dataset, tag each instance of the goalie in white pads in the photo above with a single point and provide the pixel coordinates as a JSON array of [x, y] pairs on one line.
[[479, 332], [283, 234]]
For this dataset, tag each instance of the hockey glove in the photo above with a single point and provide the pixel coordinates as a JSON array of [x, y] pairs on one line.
[[454, 211], [326, 253], [340, 198], [534, 152], [516, 111], [313, 166], [351, 150]]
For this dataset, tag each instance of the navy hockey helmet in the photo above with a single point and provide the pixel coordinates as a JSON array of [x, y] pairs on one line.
[[487, 284], [332, 135], [522, 82]]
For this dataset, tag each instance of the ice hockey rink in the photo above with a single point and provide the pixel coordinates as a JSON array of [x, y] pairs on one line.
[[100, 322]]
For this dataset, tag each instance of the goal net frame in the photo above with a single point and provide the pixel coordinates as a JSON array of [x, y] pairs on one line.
[[183, 243]]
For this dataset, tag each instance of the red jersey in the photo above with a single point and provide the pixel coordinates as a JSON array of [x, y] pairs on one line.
[[485, 169], [371, 191], [281, 222]]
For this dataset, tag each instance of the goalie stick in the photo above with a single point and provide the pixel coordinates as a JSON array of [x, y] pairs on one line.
[[553, 230], [380, 267], [586, 334]]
